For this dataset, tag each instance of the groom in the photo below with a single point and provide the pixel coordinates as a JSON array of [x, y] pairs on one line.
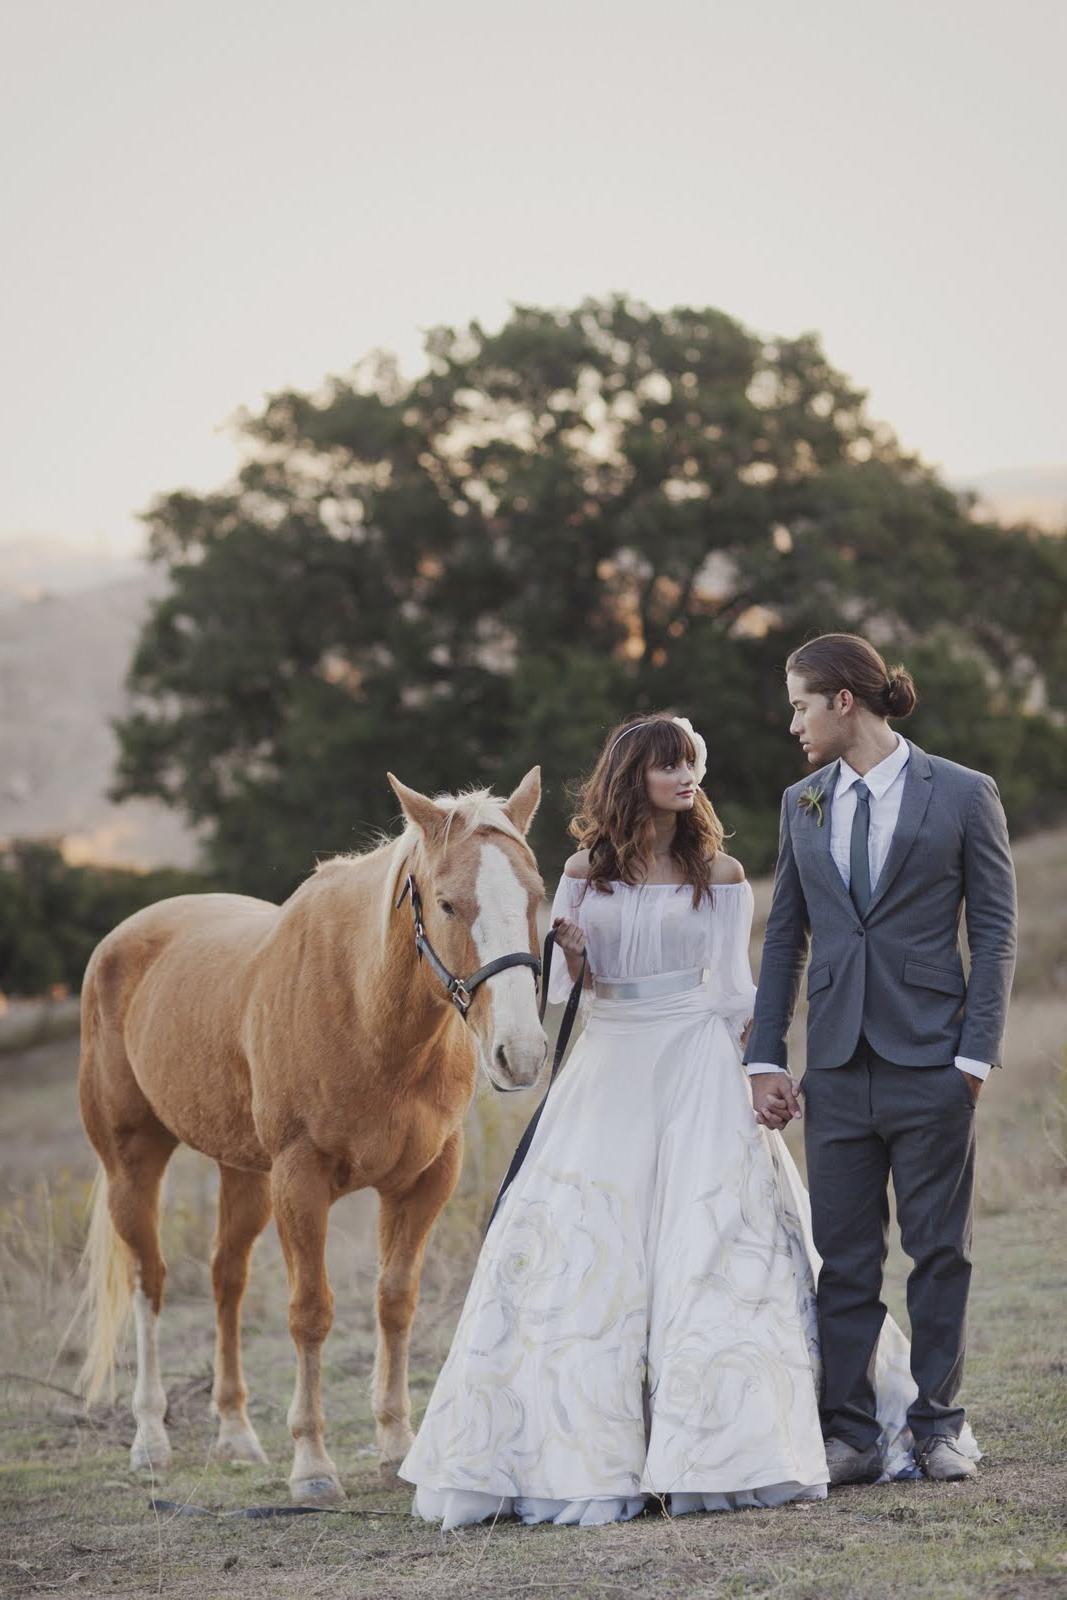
[[877, 854]]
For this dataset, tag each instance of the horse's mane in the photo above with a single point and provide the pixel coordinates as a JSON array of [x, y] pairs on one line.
[[464, 813]]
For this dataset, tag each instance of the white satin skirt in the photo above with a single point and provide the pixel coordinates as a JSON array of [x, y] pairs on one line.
[[641, 1319]]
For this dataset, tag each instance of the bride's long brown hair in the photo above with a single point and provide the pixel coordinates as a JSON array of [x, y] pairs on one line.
[[613, 818]]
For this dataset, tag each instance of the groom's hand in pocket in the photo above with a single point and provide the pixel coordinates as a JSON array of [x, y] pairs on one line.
[[973, 1083], [774, 1098]]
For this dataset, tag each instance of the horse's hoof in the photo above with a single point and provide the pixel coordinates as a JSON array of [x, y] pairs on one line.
[[317, 1491], [240, 1447], [394, 1441], [241, 1453], [149, 1455], [389, 1475]]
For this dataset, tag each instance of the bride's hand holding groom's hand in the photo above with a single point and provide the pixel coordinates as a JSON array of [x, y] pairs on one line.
[[774, 1099]]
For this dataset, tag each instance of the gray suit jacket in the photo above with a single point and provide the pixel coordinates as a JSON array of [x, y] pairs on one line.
[[896, 974]]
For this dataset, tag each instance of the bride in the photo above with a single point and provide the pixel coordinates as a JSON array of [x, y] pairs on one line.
[[641, 1320]]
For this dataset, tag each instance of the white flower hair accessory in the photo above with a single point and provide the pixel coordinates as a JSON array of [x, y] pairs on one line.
[[700, 766]]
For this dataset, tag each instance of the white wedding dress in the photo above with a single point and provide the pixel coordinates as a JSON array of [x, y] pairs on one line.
[[641, 1319]]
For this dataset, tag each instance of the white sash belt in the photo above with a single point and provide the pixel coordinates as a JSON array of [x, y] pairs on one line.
[[660, 983]]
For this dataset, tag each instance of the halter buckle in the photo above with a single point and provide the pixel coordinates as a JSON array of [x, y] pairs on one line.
[[460, 996]]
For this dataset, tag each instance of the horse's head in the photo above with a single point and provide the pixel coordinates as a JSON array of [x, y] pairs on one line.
[[479, 889]]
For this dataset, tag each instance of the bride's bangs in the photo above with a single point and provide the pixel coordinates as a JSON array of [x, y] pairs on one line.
[[657, 744]]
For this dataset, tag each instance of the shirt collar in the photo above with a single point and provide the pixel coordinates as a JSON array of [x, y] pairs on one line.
[[881, 777]]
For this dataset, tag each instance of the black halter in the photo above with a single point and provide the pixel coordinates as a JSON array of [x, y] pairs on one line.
[[460, 990]]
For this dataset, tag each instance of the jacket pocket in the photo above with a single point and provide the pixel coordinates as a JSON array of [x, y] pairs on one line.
[[819, 977], [943, 979]]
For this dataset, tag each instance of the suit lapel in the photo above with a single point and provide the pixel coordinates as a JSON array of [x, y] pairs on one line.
[[818, 839], [918, 787]]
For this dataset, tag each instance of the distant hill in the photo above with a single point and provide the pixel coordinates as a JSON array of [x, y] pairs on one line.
[[35, 565], [63, 659]]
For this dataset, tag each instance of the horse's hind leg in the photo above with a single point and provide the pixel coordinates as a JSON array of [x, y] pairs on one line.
[[244, 1211], [135, 1174], [134, 1148], [404, 1223]]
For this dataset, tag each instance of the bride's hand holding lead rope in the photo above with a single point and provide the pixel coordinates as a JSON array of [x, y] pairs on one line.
[[571, 940]]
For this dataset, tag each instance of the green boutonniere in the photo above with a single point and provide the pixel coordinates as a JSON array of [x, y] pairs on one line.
[[811, 802]]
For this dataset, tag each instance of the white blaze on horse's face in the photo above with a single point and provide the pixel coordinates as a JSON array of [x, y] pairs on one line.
[[512, 1041]]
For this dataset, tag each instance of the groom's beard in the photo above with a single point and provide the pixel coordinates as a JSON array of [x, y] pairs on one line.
[[822, 754]]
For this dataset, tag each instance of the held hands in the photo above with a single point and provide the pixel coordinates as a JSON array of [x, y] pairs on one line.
[[774, 1099]]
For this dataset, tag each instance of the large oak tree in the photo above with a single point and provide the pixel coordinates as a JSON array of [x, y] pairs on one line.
[[587, 513]]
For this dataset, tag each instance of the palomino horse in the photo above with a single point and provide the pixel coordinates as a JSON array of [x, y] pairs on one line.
[[309, 1051]]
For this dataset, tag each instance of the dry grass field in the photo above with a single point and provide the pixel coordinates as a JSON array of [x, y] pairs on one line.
[[72, 1519]]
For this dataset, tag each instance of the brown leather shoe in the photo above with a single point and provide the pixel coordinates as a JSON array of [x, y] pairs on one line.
[[942, 1459], [849, 1465]]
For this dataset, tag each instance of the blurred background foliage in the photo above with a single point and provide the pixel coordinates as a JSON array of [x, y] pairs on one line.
[[52, 914], [588, 513]]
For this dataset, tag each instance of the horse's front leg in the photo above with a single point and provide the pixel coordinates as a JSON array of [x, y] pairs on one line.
[[301, 1195], [244, 1211], [404, 1223]]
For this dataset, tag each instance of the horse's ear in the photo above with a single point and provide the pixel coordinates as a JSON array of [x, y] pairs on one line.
[[523, 802], [418, 808]]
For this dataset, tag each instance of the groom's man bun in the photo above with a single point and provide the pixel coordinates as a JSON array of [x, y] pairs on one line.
[[900, 694], [837, 661]]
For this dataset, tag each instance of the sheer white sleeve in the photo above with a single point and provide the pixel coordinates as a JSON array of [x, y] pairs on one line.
[[566, 903], [730, 926]]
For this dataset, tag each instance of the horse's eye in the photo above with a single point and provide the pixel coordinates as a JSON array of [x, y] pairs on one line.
[[447, 907]]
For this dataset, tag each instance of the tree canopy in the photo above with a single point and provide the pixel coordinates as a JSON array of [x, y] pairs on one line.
[[590, 512]]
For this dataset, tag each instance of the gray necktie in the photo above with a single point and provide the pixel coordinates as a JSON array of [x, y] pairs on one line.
[[859, 861]]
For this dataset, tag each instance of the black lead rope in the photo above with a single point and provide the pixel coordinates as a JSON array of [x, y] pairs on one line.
[[562, 1040]]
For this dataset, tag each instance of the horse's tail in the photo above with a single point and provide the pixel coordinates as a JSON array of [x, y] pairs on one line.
[[105, 1300]]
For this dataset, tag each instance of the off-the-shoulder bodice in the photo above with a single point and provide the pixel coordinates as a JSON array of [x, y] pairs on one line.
[[641, 929]]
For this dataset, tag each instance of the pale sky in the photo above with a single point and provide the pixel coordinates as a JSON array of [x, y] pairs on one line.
[[204, 201]]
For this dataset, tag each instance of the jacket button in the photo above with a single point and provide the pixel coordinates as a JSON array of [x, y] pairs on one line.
[[860, 932]]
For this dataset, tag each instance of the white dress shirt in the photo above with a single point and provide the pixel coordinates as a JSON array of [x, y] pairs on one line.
[[886, 785]]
